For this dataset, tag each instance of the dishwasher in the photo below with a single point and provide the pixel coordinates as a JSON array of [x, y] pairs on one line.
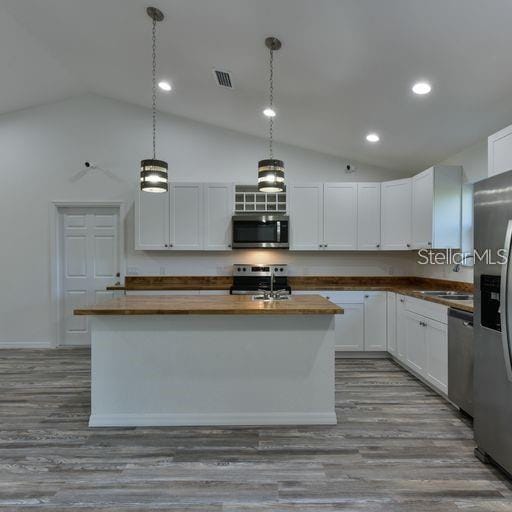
[[460, 359]]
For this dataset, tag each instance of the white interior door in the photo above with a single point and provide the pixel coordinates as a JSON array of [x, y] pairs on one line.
[[89, 262]]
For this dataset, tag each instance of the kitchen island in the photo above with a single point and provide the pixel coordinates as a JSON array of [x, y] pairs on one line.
[[212, 360]]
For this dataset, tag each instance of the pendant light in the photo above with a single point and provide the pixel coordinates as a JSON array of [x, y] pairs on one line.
[[271, 170], [153, 172]]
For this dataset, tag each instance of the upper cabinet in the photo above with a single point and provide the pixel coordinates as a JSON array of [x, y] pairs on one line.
[[396, 211], [323, 217], [499, 151], [218, 204], [368, 216], [190, 217], [306, 202], [437, 208], [186, 218], [151, 221], [340, 216]]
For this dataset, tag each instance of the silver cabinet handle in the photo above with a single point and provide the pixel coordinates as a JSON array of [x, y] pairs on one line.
[[325, 245], [429, 243], [378, 245], [408, 245], [229, 245], [328, 298], [402, 300], [166, 245], [366, 296], [320, 245]]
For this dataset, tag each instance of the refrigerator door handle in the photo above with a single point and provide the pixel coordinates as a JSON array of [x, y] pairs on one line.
[[504, 306]]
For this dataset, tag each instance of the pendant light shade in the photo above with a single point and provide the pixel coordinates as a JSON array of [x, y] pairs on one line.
[[153, 172], [271, 175], [153, 175], [271, 170]]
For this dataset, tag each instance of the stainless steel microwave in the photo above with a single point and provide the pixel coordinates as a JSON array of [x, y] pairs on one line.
[[260, 230]]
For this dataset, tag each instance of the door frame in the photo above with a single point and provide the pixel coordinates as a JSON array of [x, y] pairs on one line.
[[55, 256]]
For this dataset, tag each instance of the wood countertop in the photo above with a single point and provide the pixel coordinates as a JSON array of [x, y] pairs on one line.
[[211, 305]]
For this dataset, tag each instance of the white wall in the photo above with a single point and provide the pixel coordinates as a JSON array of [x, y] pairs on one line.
[[41, 154]]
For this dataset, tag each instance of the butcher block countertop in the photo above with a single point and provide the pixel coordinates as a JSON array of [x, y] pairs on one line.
[[211, 305]]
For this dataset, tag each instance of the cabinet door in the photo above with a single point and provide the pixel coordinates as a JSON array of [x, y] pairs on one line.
[[437, 355], [186, 216], [368, 216], [415, 330], [306, 216], [375, 321], [401, 335], [218, 211], [151, 221], [349, 328], [500, 151], [422, 209], [340, 216], [391, 322], [396, 214]]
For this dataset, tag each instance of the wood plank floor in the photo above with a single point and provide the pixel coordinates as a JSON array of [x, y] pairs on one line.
[[397, 448]]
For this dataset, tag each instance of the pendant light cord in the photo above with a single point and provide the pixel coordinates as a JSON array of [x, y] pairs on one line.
[[271, 103], [154, 89]]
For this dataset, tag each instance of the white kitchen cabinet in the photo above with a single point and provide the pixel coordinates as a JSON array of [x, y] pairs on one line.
[[436, 371], [401, 335], [396, 208], [375, 319], [186, 216], [340, 216], [437, 208], [499, 151], [218, 211], [415, 331], [151, 221], [306, 204], [349, 328], [391, 322], [189, 217], [362, 327], [368, 216]]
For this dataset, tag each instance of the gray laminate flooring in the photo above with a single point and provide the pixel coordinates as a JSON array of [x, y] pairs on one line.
[[397, 447]]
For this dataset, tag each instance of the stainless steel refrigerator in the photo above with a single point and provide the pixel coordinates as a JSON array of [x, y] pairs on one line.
[[493, 320]]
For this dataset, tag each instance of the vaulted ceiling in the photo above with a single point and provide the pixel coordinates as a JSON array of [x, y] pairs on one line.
[[346, 67]]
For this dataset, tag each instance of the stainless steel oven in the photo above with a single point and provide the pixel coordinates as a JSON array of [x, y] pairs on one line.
[[263, 231]]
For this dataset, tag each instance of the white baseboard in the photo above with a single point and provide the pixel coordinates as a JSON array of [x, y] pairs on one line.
[[25, 344], [201, 419]]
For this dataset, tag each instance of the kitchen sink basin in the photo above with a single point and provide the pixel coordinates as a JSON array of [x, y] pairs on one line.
[[453, 295], [270, 299]]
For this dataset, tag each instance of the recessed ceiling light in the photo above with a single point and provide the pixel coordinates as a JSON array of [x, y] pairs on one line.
[[165, 86], [269, 112], [372, 137], [421, 88]]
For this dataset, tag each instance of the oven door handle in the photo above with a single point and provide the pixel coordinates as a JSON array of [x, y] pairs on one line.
[[504, 290]]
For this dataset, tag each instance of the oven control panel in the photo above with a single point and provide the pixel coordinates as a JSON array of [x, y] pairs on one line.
[[260, 270]]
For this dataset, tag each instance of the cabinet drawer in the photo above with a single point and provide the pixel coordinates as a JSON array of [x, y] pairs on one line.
[[427, 309]]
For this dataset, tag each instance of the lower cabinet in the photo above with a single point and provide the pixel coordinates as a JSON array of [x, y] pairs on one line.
[[401, 337], [362, 327], [391, 322], [349, 328], [416, 351], [437, 355], [422, 340]]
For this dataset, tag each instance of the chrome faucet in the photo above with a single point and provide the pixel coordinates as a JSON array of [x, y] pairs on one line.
[[457, 266]]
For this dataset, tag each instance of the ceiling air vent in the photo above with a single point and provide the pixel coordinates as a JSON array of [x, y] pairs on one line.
[[223, 78]]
